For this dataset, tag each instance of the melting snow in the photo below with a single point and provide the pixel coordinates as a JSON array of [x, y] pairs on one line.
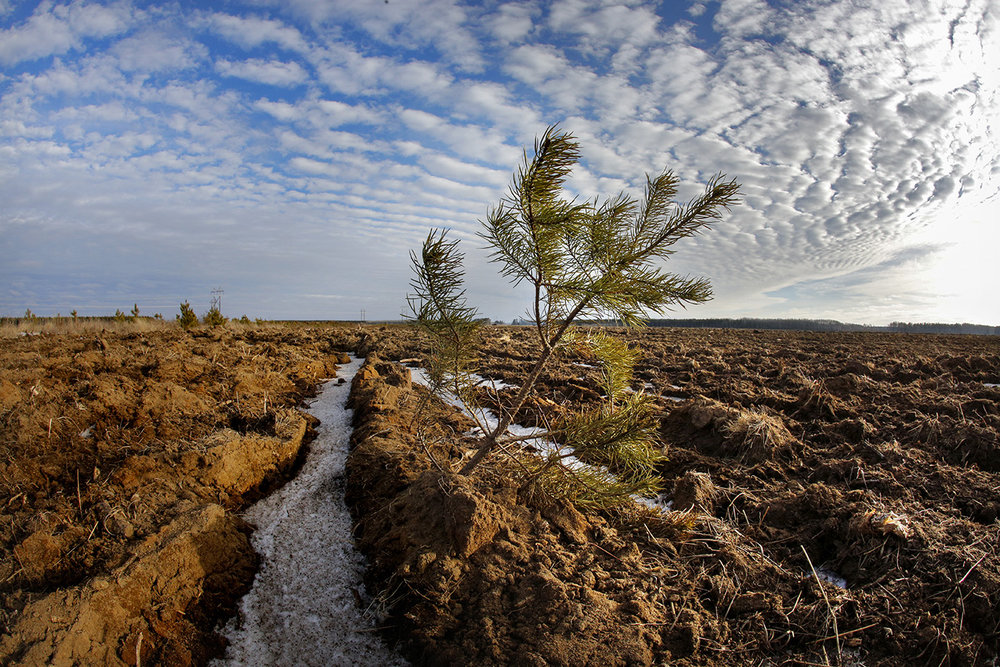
[[498, 384], [544, 446], [302, 609], [831, 577]]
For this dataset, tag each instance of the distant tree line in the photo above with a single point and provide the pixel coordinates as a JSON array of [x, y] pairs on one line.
[[829, 325], [785, 324], [925, 327]]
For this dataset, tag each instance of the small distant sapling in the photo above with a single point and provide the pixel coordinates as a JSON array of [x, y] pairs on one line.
[[187, 318], [594, 259], [214, 317]]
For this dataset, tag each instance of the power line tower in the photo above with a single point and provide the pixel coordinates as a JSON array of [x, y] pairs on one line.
[[362, 314], [217, 299]]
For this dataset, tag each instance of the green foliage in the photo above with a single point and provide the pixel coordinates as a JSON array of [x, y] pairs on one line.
[[590, 260], [617, 361], [596, 259], [187, 318], [120, 316], [28, 315], [214, 317], [73, 313], [135, 312], [245, 320], [438, 305]]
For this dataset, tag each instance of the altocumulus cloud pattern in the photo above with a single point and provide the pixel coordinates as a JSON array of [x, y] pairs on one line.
[[295, 151]]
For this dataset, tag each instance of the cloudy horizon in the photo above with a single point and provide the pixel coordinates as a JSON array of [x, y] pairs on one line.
[[293, 153]]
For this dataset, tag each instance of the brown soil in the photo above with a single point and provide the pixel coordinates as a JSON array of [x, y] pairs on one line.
[[800, 458], [793, 458], [124, 456]]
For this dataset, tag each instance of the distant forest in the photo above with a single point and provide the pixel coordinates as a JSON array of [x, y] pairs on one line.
[[830, 325], [816, 325]]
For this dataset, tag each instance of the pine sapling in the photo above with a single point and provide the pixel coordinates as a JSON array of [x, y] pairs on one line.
[[583, 260]]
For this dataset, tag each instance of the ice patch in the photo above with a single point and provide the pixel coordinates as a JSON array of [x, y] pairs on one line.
[[831, 577], [544, 446], [485, 417], [660, 503], [302, 609], [497, 385]]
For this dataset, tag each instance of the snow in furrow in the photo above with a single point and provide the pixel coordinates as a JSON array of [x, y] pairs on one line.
[[544, 446], [302, 609]]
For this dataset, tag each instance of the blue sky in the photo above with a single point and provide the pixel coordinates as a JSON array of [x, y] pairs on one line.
[[293, 152]]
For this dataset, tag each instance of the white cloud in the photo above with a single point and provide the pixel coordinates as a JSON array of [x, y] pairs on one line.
[[465, 140], [56, 29], [274, 73], [462, 171], [77, 79], [342, 69], [282, 111], [153, 51], [252, 31], [513, 21], [442, 25], [744, 18], [420, 77], [603, 26]]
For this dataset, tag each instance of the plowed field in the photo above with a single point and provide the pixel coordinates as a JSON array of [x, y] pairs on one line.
[[835, 499]]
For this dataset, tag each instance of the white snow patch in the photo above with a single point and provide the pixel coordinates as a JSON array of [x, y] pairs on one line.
[[661, 502], [485, 417], [302, 609], [544, 446], [498, 384], [831, 577], [990, 384]]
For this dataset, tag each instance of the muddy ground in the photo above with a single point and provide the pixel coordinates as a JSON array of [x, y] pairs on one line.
[[843, 490], [835, 500], [124, 458]]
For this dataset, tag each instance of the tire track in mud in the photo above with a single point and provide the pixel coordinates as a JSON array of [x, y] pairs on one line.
[[302, 609]]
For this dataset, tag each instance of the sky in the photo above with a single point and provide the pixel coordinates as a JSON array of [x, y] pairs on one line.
[[294, 152]]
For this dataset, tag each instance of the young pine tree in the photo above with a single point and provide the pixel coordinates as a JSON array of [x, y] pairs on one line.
[[187, 318], [592, 259], [214, 317]]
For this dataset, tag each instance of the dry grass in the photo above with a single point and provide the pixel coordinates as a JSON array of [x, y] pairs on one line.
[[758, 434], [12, 327]]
